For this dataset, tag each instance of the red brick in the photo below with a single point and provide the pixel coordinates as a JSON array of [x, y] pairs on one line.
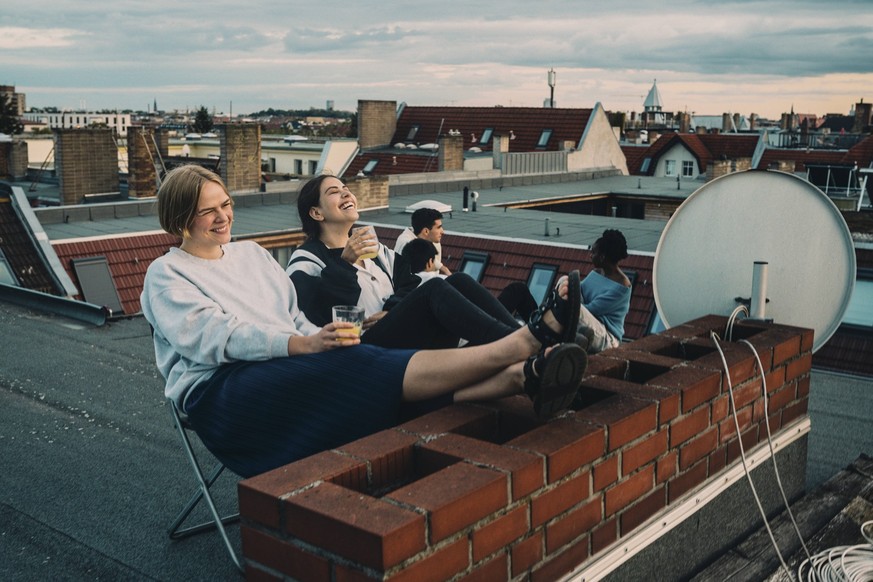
[[491, 571], [388, 454], [282, 556], [629, 490], [604, 535], [632, 427], [749, 438], [358, 527], [455, 497], [741, 362], [527, 553], [525, 470], [469, 420], [697, 385], [781, 399], [668, 409], [687, 427], [260, 496], [697, 448], [794, 412], [562, 564], [717, 460], [798, 367], [686, 481], [786, 345], [645, 508], [803, 386], [625, 418], [574, 524], [606, 473], [728, 428], [648, 450], [500, 532], [443, 564], [666, 467], [775, 379], [558, 500], [721, 407], [566, 444], [746, 393]]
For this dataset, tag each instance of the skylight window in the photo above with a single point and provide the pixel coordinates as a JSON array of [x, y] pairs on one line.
[[413, 131], [486, 135], [540, 280], [544, 138], [368, 169], [473, 263]]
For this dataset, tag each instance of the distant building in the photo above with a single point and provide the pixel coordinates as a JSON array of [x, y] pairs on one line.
[[18, 99], [120, 122]]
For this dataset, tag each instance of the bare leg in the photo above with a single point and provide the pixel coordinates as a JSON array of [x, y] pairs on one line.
[[506, 382], [432, 373]]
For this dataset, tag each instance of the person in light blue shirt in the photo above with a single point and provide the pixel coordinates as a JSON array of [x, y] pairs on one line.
[[606, 293]]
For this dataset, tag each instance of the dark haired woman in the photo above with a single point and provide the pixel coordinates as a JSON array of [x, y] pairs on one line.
[[606, 293], [328, 269]]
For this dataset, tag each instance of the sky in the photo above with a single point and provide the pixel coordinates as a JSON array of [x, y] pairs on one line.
[[708, 56]]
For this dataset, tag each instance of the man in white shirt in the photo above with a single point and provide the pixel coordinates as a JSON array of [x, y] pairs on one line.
[[427, 223]]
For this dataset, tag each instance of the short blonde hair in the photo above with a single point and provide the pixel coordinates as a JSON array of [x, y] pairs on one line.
[[179, 195]]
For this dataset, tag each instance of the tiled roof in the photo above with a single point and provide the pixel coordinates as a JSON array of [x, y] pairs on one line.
[[393, 161], [526, 123], [861, 153], [634, 155], [849, 350], [729, 145], [800, 157], [128, 259]]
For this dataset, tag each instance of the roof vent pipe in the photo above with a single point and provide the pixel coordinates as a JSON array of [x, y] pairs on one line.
[[757, 309]]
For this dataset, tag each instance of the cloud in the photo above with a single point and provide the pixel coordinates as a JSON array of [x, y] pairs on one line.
[[312, 40], [20, 38]]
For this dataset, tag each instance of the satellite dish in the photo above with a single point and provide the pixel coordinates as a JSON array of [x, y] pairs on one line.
[[708, 250]]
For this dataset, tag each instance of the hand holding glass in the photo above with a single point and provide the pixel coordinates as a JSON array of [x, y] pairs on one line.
[[349, 314], [370, 232]]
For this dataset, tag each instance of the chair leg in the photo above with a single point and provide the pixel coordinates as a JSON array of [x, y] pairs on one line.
[[202, 493]]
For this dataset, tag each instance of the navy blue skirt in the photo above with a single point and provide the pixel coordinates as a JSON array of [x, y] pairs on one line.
[[256, 416]]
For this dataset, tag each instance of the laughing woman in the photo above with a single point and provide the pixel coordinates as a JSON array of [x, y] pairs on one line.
[[330, 269], [262, 386]]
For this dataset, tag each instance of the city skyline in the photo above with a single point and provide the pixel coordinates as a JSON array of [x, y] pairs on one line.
[[740, 56]]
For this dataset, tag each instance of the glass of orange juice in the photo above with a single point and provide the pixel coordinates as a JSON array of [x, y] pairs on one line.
[[351, 314], [370, 254]]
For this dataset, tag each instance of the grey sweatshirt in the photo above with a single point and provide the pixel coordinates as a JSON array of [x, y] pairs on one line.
[[206, 313]]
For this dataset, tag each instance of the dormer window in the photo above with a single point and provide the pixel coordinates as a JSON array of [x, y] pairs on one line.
[[544, 138], [413, 131]]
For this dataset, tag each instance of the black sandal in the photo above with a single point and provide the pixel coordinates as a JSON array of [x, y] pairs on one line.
[[552, 380], [566, 312]]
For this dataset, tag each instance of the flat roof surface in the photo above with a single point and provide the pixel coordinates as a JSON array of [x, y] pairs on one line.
[[491, 219]]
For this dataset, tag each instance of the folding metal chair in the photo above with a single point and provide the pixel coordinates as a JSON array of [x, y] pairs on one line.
[[176, 531]]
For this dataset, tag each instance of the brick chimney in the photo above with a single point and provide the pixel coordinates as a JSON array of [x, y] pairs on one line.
[[684, 122], [725, 122], [86, 161], [377, 122], [863, 113], [241, 156], [142, 154], [451, 157], [500, 146]]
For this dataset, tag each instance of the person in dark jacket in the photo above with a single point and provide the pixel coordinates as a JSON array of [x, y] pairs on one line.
[[401, 312]]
